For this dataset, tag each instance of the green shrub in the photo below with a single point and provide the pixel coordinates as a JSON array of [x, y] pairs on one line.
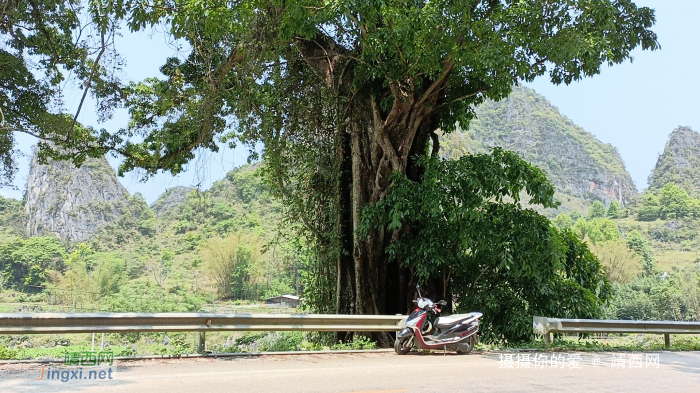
[[7, 353], [464, 224], [358, 343]]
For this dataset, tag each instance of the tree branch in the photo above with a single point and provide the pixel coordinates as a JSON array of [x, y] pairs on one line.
[[438, 84], [233, 58], [354, 19], [44, 31], [321, 53], [436, 144], [87, 85], [460, 98]]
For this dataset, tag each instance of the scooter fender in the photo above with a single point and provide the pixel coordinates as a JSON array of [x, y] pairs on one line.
[[404, 333]]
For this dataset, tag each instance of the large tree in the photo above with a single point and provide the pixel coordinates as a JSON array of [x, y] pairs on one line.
[[343, 94], [45, 45]]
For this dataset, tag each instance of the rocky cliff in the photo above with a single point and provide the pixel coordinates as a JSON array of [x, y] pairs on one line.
[[170, 199], [579, 165], [679, 163], [71, 202]]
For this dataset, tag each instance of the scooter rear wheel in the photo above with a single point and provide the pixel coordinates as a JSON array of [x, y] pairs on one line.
[[466, 347], [403, 345]]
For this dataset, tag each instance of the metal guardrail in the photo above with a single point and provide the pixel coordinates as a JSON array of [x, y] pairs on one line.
[[57, 323], [547, 326]]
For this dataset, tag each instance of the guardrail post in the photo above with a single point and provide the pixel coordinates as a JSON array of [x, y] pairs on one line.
[[667, 340], [548, 340], [202, 342]]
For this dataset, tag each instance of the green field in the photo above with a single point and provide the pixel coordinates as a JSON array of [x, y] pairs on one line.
[[669, 260]]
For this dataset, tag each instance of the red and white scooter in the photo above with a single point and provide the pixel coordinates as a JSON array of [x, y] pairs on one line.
[[457, 332]]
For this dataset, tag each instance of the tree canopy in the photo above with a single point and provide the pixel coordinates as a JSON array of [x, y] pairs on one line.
[[45, 45], [614, 210], [669, 202], [27, 261], [341, 95], [243, 73]]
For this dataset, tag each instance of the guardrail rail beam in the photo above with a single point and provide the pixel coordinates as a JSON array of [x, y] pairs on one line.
[[60, 323], [546, 326]]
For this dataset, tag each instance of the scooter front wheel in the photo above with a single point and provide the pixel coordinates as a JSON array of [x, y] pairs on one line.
[[403, 345]]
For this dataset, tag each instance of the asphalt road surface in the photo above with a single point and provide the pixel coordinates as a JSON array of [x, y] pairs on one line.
[[384, 373]]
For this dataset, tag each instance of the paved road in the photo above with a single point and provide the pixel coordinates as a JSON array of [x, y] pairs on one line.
[[383, 373]]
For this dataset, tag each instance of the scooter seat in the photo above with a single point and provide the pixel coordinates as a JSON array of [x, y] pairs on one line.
[[451, 320]]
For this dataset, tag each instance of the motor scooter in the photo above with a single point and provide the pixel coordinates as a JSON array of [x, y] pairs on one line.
[[457, 332]]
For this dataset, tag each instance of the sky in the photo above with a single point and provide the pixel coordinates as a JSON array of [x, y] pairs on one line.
[[634, 106]]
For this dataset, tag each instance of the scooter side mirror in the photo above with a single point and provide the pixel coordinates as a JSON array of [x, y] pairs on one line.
[[442, 303]]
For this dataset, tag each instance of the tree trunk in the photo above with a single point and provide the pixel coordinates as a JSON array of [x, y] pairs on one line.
[[373, 143], [345, 299], [379, 148]]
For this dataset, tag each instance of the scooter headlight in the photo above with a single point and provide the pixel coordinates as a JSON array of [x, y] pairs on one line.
[[424, 303]]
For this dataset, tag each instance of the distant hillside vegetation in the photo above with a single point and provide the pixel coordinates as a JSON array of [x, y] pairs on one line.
[[115, 245], [13, 221], [582, 168], [679, 163], [238, 202], [170, 199]]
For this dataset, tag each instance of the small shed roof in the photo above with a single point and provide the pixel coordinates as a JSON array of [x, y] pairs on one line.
[[288, 297]]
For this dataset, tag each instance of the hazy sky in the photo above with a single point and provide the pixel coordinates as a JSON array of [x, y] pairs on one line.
[[633, 106]]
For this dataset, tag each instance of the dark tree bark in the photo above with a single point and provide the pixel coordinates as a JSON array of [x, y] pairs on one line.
[[345, 298], [373, 143], [383, 144]]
